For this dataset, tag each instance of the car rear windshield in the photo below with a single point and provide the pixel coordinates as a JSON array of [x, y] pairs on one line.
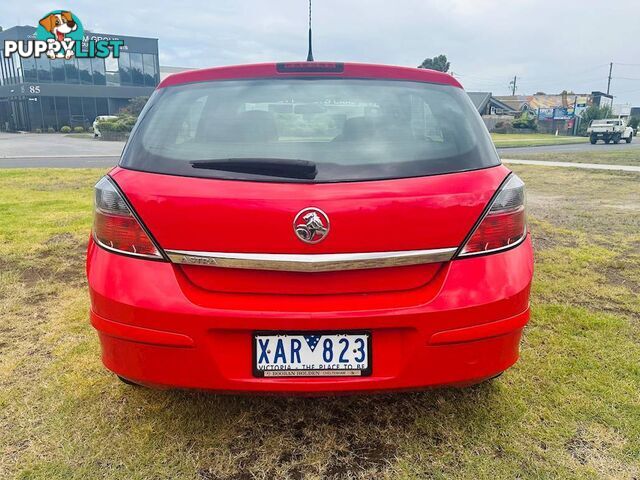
[[328, 130]]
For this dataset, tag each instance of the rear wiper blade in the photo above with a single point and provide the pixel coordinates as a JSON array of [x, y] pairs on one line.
[[273, 167]]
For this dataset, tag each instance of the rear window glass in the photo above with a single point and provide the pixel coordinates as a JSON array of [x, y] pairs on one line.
[[349, 129]]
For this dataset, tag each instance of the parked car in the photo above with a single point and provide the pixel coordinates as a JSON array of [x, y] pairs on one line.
[[96, 130], [309, 227], [609, 130]]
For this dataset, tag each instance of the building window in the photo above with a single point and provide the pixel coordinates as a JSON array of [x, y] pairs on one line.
[[77, 117], [102, 106], [11, 70], [48, 113], [29, 70], [35, 113], [112, 72], [17, 68], [71, 70], [124, 64], [84, 67], [89, 109], [62, 111], [97, 68], [150, 71], [137, 76], [4, 64], [44, 69], [116, 104], [57, 71]]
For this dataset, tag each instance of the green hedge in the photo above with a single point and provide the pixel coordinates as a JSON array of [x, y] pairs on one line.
[[124, 123]]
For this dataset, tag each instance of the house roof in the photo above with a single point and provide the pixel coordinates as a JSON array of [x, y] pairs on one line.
[[544, 101], [479, 99], [482, 99]]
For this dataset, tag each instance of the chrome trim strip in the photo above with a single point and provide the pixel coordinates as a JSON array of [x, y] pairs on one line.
[[327, 262]]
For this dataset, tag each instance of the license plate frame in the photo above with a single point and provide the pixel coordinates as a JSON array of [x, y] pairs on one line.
[[317, 373]]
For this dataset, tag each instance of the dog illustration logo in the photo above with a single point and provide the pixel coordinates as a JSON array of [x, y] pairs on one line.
[[61, 27]]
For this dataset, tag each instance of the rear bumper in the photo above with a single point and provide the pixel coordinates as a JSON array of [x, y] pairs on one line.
[[156, 328]]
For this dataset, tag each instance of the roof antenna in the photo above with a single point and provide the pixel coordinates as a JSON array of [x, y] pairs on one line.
[[310, 53]]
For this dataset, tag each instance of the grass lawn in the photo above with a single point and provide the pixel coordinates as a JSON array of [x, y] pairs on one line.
[[608, 154], [505, 140], [569, 409]]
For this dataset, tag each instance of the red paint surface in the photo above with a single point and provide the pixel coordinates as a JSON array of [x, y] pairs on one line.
[[351, 70]]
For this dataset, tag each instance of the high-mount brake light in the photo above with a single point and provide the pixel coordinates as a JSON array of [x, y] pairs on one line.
[[310, 67], [504, 225], [115, 227]]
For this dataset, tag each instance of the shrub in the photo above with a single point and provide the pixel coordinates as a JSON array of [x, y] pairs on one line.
[[65, 129], [38, 130], [502, 126], [124, 124], [78, 129], [51, 130], [525, 121]]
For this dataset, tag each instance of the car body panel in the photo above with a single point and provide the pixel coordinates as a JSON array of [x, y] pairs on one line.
[[377, 216], [270, 70], [168, 332]]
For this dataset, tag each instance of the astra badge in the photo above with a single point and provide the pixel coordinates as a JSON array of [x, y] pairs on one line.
[[311, 225]]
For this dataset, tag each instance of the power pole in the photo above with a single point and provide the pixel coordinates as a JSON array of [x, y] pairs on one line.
[[609, 80], [512, 84]]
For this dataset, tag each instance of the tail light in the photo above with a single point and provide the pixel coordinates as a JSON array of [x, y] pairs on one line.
[[504, 225], [115, 227]]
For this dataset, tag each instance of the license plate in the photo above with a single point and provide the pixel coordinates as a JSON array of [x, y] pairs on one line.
[[311, 354]]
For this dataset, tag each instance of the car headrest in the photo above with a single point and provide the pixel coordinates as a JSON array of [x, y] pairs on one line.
[[358, 128], [254, 126]]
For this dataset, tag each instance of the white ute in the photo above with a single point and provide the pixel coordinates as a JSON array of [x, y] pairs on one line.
[[609, 130]]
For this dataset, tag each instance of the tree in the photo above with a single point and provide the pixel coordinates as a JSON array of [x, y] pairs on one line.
[[592, 113], [438, 63], [135, 106]]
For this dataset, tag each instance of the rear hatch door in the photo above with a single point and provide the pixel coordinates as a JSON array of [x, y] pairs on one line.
[[211, 215]]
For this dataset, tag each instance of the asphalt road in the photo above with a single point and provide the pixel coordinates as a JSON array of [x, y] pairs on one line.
[[588, 166], [61, 151], [60, 162], [54, 150]]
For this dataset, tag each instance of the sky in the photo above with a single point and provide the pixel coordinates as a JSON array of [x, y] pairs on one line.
[[549, 46]]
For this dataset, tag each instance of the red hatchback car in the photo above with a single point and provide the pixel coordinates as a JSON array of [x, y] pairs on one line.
[[309, 227]]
